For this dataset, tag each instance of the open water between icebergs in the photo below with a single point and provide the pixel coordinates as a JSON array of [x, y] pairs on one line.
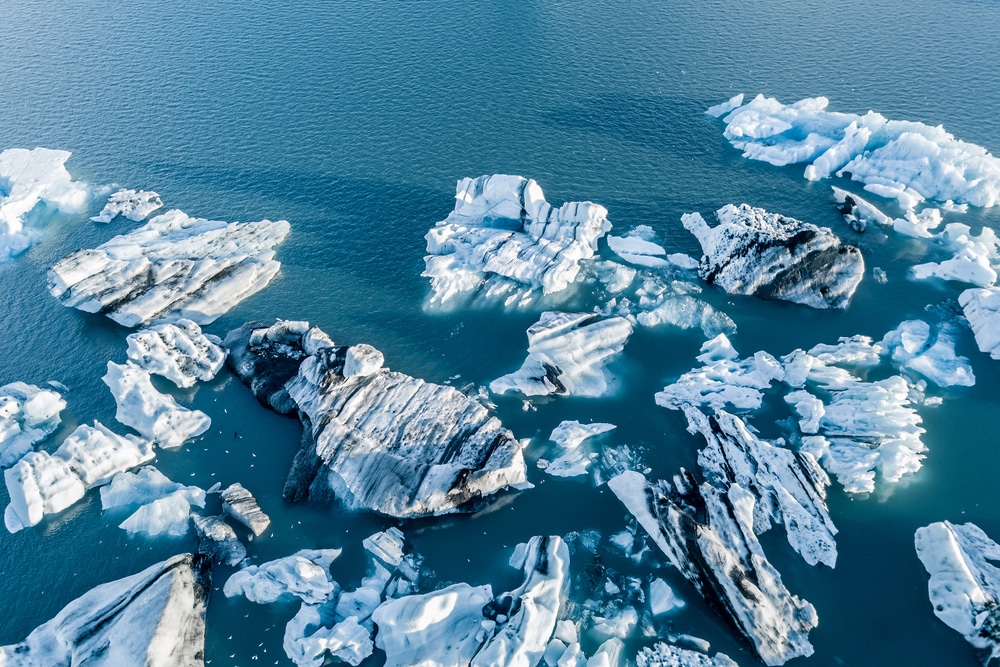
[[353, 121]]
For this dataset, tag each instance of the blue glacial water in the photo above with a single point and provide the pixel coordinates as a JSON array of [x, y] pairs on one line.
[[353, 120]]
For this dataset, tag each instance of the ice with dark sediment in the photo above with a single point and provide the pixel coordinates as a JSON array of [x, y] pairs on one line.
[[154, 415], [771, 256], [178, 351], [790, 487], [304, 575], [905, 160], [919, 348], [218, 540], [238, 503], [964, 585], [154, 618], [136, 205], [504, 242], [982, 309], [28, 178], [28, 414], [661, 654], [567, 355], [723, 380], [858, 211], [708, 534], [173, 266], [384, 441]]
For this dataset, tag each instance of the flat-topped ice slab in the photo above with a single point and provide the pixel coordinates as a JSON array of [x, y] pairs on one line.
[[964, 586], [178, 351], [28, 414], [384, 441], [27, 178], [906, 160], [754, 252], [136, 205], [239, 504], [154, 618], [503, 241], [174, 265], [567, 353]]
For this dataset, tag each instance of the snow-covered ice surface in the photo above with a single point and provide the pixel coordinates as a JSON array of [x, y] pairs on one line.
[[982, 310], [964, 586], [154, 415], [154, 618], [567, 353], [907, 160], [27, 178], [754, 252], [178, 351], [136, 205], [39, 484], [96, 454], [304, 575], [28, 414], [503, 242], [416, 448], [174, 265]]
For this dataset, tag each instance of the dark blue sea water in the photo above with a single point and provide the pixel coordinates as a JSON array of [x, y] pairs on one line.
[[353, 120]]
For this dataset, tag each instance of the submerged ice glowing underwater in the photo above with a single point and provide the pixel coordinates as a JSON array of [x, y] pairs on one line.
[[393, 456]]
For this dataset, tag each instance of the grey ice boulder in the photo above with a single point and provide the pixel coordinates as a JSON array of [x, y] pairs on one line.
[[239, 504]]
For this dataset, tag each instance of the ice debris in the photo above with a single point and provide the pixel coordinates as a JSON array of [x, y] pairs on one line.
[[504, 242], [174, 265], [385, 442], [28, 414], [772, 256], [667, 655], [917, 347], [178, 351], [136, 205], [573, 460], [567, 353], [637, 247]]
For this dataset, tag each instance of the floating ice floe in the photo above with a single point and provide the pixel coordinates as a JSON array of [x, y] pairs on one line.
[[772, 256], [155, 416], [304, 575], [218, 540], [27, 178], [385, 442], [309, 637], [28, 414], [239, 504], [917, 347], [573, 460], [667, 655], [662, 598], [982, 309], [174, 265], [905, 160], [164, 506], [790, 487], [154, 618], [567, 353], [163, 516], [708, 535], [136, 205], [964, 586], [178, 351], [723, 380], [857, 211], [637, 247], [975, 259], [96, 454], [503, 241]]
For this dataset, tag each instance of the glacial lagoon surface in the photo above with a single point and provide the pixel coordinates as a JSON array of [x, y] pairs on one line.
[[353, 121]]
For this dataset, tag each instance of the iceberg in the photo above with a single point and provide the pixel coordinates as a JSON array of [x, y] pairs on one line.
[[905, 160], [155, 416], [174, 265], [975, 259], [504, 241], [218, 540], [964, 586], [708, 535], [384, 442], [144, 487], [982, 310], [858, 212], [154, 618], [96, 454], [178, 351], [567, 353], [28, 414], [569, 435], [239, 504], [919, 349], [27, 178], [164, 516], [637, 247], [304, 575], [39, 484], [662, 598], [136, 205], [308, 638], [772, 256]]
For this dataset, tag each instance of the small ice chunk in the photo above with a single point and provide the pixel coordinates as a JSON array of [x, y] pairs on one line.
[[135, 205], [666, 655], [878, 274], [387, 546], [168, 515], [662, 599], [930, 353], [146, 486], [219, 540], [982, 310], [362, 360], [239, 504], [637, 247], [723, 108], [309, 637]]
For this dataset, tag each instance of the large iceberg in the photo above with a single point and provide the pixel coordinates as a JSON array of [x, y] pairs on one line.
[[135, 205], [905, 160], [773, 256], [381, 441], [178, 351], [982, 310], [174, 265], [567, 353], [155, 416], [28, 414], [964, 586], [154, 618], [27, 178], [504, 241], [708, 534]]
